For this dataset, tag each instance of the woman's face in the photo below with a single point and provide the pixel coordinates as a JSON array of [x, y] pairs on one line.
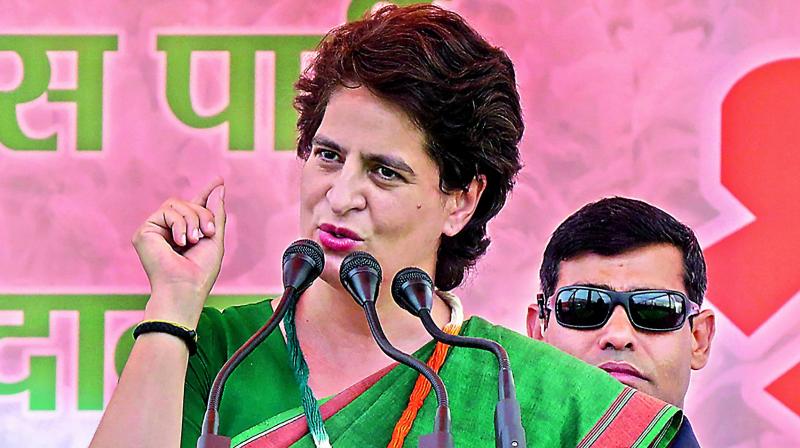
[[369, 185]]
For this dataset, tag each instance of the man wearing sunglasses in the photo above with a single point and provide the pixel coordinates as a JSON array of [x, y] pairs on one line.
[[622, 289]]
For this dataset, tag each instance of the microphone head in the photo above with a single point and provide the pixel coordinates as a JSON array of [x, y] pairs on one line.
[[303, 262], [412, 289], [360, 275]]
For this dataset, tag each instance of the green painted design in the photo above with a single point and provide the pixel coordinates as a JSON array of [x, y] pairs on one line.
[[239, 114], [91, 309], [123, 349], [87, 96], [41, 383]]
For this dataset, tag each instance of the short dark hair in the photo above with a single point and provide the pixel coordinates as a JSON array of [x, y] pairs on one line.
[[612, 226], [459, 90]]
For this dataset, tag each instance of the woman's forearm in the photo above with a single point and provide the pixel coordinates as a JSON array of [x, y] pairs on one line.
[[146, 408]]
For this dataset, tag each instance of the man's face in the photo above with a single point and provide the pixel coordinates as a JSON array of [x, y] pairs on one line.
[[657, 363]]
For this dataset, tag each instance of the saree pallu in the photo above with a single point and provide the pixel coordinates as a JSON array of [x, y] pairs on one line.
[[564, 403]]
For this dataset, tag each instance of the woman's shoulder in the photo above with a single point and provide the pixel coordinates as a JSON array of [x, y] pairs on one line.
[[521, 348], [477, 326], [537, 364], [221, 318], [229, 327]]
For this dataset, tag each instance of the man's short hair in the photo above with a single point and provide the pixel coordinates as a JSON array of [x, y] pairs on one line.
[[612, 226], [459, 90]]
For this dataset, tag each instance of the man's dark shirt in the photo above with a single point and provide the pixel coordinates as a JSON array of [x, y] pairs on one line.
[[685, 437]]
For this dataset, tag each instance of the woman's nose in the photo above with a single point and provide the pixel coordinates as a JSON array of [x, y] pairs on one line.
[[346, 192]]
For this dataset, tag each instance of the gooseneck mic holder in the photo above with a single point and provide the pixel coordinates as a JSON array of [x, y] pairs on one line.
[[303, 262], [360, 274], [412, 289]]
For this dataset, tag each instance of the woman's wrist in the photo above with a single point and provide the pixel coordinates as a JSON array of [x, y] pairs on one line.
[[187, 335], [169, 307], [163, 343]]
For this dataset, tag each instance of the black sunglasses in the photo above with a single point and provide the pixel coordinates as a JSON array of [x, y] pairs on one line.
[[588, 308]]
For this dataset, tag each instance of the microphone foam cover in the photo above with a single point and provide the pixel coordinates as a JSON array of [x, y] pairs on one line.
[[309, 248], [356, 260], [412, 289], [407, 274]]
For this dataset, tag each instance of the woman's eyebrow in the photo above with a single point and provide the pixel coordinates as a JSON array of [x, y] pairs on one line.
[[328, 142], [395, 163]]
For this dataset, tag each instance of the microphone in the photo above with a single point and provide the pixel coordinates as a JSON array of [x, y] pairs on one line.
[[412, 289], [361, 274], [302, 263]]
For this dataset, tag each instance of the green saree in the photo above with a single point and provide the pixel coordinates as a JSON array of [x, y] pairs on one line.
[[564, 401]]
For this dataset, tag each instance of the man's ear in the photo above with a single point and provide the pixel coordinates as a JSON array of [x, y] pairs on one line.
[[703, 328], [534, 323], [461, 205]]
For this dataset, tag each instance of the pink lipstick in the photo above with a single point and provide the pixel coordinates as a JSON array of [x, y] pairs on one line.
[[338, 239]]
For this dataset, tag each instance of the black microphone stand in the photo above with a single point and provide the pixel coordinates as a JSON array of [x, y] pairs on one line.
[[412, 289], [209, 437], [361, 275], [441, 426], [303, 261]]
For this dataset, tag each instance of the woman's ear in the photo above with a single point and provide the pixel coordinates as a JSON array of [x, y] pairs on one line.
[[461, 205]]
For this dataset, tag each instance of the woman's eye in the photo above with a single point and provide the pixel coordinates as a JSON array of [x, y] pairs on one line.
[[387, 173], [327, 155]]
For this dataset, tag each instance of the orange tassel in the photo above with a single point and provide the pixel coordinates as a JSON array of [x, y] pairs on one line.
[[421, 390]]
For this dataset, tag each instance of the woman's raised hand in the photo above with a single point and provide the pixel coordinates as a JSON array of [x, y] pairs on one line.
[[181, 247]]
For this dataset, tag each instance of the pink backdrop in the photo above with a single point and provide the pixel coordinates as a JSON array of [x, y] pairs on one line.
[[620, 98]]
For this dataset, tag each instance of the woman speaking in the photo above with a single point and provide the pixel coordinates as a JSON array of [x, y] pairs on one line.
[[409, 123]]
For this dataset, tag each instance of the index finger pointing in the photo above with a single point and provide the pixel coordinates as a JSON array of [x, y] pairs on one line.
[[202, 198]]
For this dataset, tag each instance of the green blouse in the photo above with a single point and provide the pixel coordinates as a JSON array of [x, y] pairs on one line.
[[260, 387]]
